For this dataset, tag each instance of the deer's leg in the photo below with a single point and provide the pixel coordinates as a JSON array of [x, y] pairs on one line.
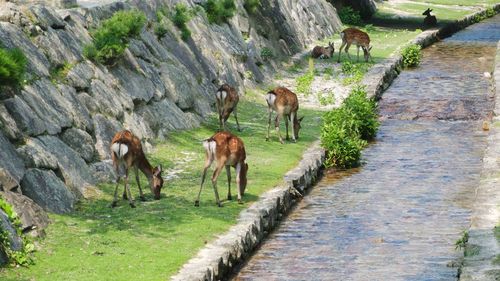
[[292, 120], [340, 50], [127, 188], [141, 194], [269, 122], [347, 51], [214, 181], [219, 110], [277, 126], [208, 163], [358, 55], [286, 127], [115, 199], [236, 117], [228, 172], [238, 172]]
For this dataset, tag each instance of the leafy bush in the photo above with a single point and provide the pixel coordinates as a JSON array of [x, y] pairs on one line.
[[112, 37], [349, 16], [266, 53], [180, 18], [411, 55], [12, 66], [326, 98], [251, 5], [345, 130], [219, 11]]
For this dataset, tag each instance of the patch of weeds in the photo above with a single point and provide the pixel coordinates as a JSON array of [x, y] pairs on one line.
[[412, 55], [354, 73], [326, 98], [471, 250], [278, 76], [181, 16], [251, 6], [305, 81], [12, 67], [59, 72], [328, 73], [219, 11], [461, 243], [266, 53], [350, 16], [295, 68]]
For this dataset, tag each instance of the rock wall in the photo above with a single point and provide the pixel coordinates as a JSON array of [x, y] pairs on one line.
[[55, 133]]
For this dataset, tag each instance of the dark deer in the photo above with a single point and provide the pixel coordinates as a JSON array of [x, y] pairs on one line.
[[226, 100], [229, 151], [429, 20], [126, 152], [286, 105], [323, 52], [355, 36]]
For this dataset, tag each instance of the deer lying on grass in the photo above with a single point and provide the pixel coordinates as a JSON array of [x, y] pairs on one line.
[[228, 150], [355, 36], [323, 52], [126, 152], [429, 20], [286, 105], [226, 100]]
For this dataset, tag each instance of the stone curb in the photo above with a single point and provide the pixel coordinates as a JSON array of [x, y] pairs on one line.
[[217, 259], [381, 75], [483, 247]]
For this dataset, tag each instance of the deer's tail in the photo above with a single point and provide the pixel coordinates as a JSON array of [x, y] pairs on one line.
[[119, 149], [210, 147]]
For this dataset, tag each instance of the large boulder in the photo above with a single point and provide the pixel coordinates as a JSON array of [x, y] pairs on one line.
[[105, 129], [11, 165], [33, 218], [48, 191], [16, 243], [81, 142], [8, 124], [36, 155], [24, 117]]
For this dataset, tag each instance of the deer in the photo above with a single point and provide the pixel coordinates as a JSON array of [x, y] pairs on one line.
[[429, 20], [126, 153], [226, 100], [359, 38], [286, 105], [323, 52], [228, 151]]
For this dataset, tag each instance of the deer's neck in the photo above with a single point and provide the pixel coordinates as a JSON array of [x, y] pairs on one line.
[[145, 167]]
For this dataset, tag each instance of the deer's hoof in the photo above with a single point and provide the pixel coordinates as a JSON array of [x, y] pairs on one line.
[[282, 142], [219, 204], [114, 204], [132, 205], [267, 139], [229, 197], [197, 203], [294, 140], [239, 201], [143, 199], [124, 196]]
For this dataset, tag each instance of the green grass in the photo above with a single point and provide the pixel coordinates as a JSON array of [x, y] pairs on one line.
[[152, 241], [460, 2]]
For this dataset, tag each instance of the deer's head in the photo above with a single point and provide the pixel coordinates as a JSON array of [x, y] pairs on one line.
[[296, 126], [243, 178], [427, 12], [330, 49], [366, 52], [156, 182]]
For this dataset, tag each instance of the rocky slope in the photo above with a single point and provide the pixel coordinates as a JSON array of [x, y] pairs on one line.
[[55, 133]]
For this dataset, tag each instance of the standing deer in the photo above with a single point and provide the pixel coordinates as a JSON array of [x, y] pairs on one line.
[[227, 99], [286, 105], [126, 152], [323, 52], [228, 150], [359, 38], [429, 20]]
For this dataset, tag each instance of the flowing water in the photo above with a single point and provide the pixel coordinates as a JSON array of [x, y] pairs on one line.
[[399, 215]]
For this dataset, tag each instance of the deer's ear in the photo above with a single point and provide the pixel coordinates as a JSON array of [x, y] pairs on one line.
[[369, 49], [301, 118], [159, 168]]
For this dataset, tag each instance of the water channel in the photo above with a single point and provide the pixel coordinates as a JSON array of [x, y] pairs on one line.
[[399, 215]]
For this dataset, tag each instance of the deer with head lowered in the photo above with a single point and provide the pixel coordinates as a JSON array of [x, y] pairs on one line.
[[355, 36], [429, 20], [228, 151], [286, 105], [226, 100], [126, 153], [323, 52]]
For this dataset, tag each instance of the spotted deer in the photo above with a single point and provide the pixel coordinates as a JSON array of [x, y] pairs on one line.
[[323, 52], [227, 100], [429, 20], [355, 36], [228, 151], [126, 153], [286, 105]]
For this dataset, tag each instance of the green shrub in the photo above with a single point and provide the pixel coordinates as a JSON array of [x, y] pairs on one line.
[[411, 55], [326, 98], [112, 37], [219, 11], [251, 5], [12, 66], [59, 73], [345, 130], [349, 16], [266, 53], [180, 18]]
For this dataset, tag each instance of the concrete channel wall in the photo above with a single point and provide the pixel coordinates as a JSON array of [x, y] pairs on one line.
[[480, 261], [217, 260]]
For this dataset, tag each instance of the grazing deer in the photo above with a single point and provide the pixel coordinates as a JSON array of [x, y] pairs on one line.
[[286, 105], [227, 99], [429, 20], [323, 52], [126, 152], [359, 38], [228, 150]]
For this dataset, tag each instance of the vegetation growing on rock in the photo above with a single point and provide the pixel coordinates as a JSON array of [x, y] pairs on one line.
[[12, 66], [411, 55], [219, 11], [251, 5]]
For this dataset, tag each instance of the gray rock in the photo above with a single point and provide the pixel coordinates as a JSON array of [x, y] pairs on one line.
[[105, 129], [16, 243], [81, 142], [35, 155], [25, 118], [60, 46], [106, 99], [11, 165], [8, 124], [136, 85], [136, 124], [46, 17], [48, 191], [103, 171], [79, 112], [74, 170], [80, 75], [33, 218]]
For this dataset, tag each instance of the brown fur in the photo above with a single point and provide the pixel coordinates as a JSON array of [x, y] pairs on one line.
[[228, 105], [286, 106], [323, 52], [134, 158], [229, 152], [355, 36]]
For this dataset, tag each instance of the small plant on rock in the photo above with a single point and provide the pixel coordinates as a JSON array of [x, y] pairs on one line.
[[12, 66], [219, 11], [251, 5], [411, 55], [181, 17]]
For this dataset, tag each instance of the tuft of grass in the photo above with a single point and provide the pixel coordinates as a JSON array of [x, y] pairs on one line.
[[251, 5], [412, 55], [59, 72], [305, 81], [266, 53], [12, 66], [326, 98], [110, 39], [461, 243], [219, 11], [180, 18], [354, 73]]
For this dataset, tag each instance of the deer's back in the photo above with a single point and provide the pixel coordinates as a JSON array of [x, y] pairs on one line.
[[229, 146], [228, 95], [356, 36], [127, 138], [284, 100], [317, 51]]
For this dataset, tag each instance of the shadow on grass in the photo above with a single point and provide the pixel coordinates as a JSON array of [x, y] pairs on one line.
[[410, 23]]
